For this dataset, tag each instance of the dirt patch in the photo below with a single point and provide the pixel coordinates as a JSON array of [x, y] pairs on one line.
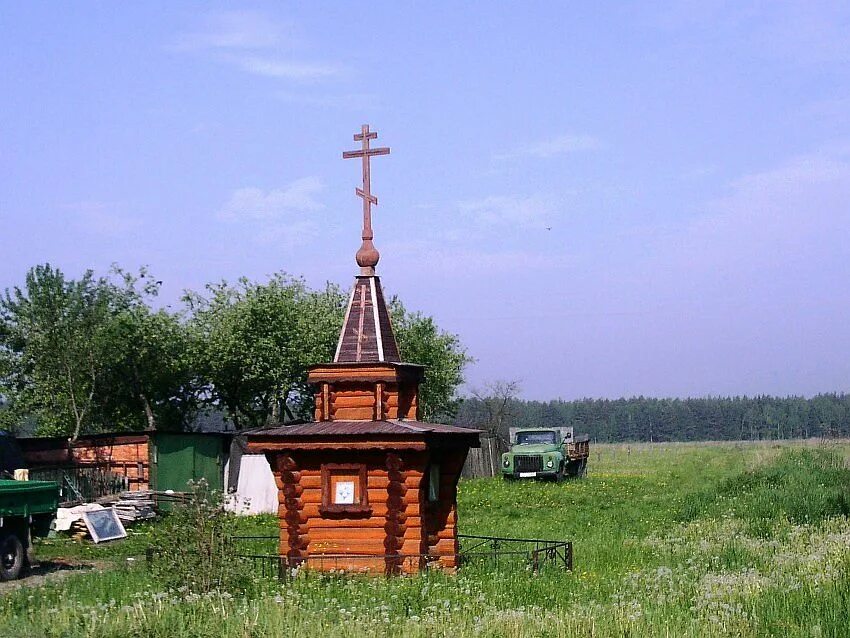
[[51, 571]]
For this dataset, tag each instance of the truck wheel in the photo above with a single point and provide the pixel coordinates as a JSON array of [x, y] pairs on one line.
[[11, 557], [562, 473]]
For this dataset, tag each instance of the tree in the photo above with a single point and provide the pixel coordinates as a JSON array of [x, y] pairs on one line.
[[421, 341], [254, 342], [51, 345], [85, 355], [91, 354], [152, 381], [496, 402]]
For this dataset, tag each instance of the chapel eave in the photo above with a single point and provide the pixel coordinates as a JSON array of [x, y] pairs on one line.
[[393, 372]]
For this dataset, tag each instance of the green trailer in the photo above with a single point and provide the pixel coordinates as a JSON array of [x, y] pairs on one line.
[[26, 510]]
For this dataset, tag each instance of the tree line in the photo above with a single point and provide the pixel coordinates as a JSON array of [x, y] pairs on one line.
[[649, 419], [95, 354]]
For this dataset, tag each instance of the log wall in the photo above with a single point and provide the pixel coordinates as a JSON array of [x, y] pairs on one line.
[[365, 401], [400, 521], [440, 517]]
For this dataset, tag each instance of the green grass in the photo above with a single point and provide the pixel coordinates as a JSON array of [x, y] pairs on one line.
[[670, 540]]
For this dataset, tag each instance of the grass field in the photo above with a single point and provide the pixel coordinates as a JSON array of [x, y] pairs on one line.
[[670, 540]]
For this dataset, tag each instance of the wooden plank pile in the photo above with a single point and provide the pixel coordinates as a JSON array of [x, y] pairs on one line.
[[79, 530], [134, 506], [130, 508]]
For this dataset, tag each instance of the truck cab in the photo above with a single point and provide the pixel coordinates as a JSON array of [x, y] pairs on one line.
[[545, 453]]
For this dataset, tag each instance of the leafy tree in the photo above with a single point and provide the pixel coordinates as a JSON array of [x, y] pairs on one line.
[[152, 381], [51, 343], [421, 341], [89, 354], [254, 342]]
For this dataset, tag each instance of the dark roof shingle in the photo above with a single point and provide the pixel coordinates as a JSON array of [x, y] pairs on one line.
[[354, 428], [367, 335]]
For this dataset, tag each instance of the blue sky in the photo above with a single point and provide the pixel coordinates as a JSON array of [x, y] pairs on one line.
[[601, 199]]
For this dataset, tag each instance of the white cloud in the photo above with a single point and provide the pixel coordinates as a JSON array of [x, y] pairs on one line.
[[292, 233], [253, 42], [507, 210], [257, 204], [365, 101], [277, 68], [807, 33], [560, 145], [233, 30], [782, 227], [787, 202]]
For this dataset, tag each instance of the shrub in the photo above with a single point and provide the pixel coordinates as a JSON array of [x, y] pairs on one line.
[[193, 548]]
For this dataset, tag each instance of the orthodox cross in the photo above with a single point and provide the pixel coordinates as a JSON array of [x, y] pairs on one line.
[[367, 256]]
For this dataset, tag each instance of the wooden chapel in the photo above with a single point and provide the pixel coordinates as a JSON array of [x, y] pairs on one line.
[[366, 486]]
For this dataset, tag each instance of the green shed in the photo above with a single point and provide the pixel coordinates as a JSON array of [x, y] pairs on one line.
[[177, 458]]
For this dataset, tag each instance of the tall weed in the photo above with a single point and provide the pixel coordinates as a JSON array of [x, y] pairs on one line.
[[193, 549], [800, 485]]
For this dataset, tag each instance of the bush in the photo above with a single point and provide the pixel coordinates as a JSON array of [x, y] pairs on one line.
[[194, 549]]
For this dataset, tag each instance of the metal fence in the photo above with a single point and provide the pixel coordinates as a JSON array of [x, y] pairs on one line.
[[490, 552], [533, 552]]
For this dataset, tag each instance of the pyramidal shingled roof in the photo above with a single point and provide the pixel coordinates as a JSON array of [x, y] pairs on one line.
[[367, 334]]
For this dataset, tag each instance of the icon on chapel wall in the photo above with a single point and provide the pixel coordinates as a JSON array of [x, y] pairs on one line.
[[344, 493]]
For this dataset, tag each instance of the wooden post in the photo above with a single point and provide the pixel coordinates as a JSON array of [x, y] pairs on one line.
[[379, 404], [491, 454]]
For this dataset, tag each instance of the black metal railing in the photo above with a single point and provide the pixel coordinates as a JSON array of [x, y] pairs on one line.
[[284, 567], [492, 552], [496, 550]]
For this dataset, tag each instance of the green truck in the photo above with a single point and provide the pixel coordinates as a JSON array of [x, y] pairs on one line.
[[26, 510], [545, 453]]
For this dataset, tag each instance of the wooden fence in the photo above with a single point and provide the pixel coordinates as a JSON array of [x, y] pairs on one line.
[[82, 484], [484, 461]]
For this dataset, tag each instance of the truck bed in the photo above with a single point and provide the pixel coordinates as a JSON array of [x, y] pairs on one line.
[[28, 498], [579, 448]]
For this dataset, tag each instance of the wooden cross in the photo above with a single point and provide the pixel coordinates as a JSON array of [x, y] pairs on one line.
[[366, 192]]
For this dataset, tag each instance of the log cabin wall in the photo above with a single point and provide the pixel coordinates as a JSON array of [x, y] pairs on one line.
[[392, 527], [353, 401], [366, 401], [440, 517]]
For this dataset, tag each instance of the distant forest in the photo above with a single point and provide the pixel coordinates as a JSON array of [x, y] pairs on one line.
[[645, 419]]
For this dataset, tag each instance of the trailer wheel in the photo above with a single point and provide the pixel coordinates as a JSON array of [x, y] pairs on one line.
[[11, 556]]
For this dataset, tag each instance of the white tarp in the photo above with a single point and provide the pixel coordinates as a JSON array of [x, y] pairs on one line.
[[250, 482], [66, 516]]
